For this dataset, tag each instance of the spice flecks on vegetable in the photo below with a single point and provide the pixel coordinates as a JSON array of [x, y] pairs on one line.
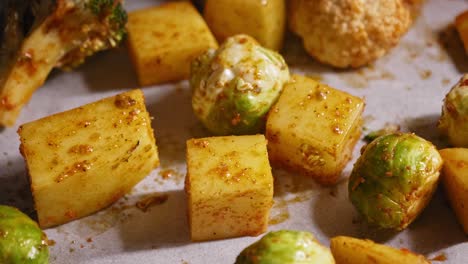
[[63, 35], [313, 129], [454, 119], [394, 179], [229, 186], [286, 246], [235, 86], [21, 239]]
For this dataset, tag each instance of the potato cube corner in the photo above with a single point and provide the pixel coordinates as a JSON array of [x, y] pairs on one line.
[[349, 250], [84, 159], [313, 129], [263, 20], [455, 181], [163, 41], [229, 186]]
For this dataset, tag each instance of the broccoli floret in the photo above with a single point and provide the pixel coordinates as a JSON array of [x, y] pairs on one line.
[[111, 18], [70, 31]]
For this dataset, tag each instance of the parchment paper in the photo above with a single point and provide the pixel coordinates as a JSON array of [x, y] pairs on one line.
[[406, 88]]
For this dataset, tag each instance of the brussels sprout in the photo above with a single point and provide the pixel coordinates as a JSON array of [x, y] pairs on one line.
[[236, 85], [21, 239], [454, 119], [394, 179], [286, 247]]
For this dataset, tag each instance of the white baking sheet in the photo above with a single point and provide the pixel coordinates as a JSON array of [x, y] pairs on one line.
[[406, 87]]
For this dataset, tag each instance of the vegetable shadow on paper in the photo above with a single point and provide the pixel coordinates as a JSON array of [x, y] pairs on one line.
[[174, 121], [288, 183], [426, 127], [14, 187], [335, 216], [453, 45], [161, 226], [299, 60], [109, 70], [436, 228]]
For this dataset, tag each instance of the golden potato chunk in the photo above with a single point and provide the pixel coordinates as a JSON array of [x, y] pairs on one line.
[[229, 186], [461, 23], [84, 159], [348, 250], [313, 129], [263, 20], [455, 181], [163, 41]]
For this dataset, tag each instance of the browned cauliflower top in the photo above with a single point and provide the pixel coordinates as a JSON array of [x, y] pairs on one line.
[[349, 33]]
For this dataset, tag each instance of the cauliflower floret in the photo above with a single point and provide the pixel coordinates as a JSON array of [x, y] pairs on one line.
[[349, 33]]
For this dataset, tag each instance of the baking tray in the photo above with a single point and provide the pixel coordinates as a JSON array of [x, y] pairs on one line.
[[406, 88]]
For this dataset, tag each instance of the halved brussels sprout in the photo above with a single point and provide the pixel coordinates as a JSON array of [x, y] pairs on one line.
[[454, 119], [286, 247], [394, 179], [236, 85], [21, 239]]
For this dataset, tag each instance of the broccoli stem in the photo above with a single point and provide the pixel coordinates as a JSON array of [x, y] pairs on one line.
[[36, 58], [69, 33]]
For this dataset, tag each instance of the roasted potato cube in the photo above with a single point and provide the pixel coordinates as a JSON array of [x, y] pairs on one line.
[[455, 181], [313, 129], [263, 20], [163, 41], [229, 186], [84, 159], [461, 23], [348, 250]]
